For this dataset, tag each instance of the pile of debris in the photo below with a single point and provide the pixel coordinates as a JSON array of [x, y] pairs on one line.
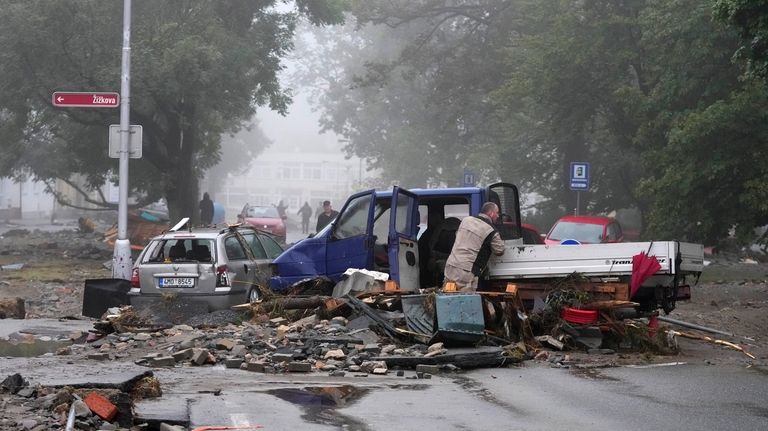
[[363, 327], [73, 407]]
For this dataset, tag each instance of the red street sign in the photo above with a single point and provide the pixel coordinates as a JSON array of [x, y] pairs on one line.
[[86, 100]]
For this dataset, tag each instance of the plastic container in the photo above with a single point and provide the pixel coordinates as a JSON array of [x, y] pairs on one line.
[[460, 317], [574, 315]]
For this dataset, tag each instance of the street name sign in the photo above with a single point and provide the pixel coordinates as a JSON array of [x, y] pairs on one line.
[[579, 176], [136, 137], [88, 99]]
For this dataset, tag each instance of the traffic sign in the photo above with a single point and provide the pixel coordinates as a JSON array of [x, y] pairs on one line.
[[66, 99], [469, 179], [579, 176], [135, 142]]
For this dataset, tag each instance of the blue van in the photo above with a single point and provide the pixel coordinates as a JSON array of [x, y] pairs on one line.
[[411, 243]]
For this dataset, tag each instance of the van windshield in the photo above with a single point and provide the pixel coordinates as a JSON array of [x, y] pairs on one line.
[[582, 232]]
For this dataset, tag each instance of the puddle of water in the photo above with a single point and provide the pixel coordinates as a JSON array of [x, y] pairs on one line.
[[320, 403], [31, 348], [323, 397]]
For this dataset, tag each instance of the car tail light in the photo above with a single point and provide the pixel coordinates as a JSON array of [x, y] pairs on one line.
[[222, 276], [135, 282]]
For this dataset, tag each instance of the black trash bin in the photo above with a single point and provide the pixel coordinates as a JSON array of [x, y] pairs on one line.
[[103, 293]]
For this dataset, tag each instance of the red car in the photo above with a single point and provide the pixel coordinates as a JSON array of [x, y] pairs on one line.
[[265, 218], [585, 230], [531, 234]]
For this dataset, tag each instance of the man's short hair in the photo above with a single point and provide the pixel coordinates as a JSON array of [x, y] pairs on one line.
[[488, 207], [326, 203]]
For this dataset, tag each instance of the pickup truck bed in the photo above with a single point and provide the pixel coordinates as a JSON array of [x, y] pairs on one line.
[[594, 260], [536, 269]]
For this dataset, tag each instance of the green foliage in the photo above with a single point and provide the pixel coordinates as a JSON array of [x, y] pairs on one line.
[[644, 90], [750, 18], [715, 154], [199, 69]]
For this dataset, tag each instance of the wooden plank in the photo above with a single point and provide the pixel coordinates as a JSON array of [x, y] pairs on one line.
[[529, 291]]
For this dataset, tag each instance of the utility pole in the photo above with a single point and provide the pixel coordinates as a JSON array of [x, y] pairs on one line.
[[121, 261]]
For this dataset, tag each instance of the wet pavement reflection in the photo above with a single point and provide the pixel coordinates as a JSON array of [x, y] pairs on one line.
[[320, 403]]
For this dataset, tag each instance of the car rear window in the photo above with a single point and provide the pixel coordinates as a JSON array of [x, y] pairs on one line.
[[582, 232], [266, 212], [175, 250]]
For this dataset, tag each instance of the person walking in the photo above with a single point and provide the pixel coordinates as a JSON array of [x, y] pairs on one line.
[[476, 239], [206, 210], [281, 207], [326, 216], [306, 213]]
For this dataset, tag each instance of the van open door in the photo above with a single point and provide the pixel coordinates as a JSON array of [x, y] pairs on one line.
[[403, 249], [350, 244], [506, 196]]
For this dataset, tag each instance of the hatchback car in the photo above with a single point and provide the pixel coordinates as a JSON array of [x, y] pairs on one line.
[[265, 218], [221, 267], [585, 230]]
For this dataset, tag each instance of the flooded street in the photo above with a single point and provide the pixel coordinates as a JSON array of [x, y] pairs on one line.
[[533, 397]]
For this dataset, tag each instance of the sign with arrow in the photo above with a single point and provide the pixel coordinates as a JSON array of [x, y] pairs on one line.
[[66, 99]]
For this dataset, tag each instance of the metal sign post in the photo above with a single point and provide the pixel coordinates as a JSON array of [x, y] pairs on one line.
[[121, 260], [579, 181]]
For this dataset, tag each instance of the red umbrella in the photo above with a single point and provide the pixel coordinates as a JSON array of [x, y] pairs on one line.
[[643, 266]]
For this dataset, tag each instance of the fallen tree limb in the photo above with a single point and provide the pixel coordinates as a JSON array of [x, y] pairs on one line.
[[712, 340]]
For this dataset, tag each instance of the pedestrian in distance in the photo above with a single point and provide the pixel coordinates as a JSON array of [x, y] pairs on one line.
[[306, 213], [281, 207], [326, 216], [476, 239], [206, 210]]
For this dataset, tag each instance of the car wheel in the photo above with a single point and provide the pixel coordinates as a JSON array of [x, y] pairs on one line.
[[254, 295]]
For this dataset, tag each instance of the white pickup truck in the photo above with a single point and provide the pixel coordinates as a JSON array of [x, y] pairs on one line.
[[534, 266]]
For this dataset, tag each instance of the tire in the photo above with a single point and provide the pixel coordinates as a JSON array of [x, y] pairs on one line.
[[254, 295]]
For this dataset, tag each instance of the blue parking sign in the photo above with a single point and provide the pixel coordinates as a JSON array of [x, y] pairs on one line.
[[469, 179], [579, 176]]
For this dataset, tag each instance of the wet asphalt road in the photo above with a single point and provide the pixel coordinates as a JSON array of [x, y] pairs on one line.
[[532, 397]]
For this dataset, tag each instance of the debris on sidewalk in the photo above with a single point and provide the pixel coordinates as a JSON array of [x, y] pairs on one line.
[[712, 340], [12, 308]]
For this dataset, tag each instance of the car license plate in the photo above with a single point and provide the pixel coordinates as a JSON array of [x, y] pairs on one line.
[[177, 282]]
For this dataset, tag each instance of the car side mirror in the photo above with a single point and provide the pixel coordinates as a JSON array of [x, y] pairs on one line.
[[284, 217]]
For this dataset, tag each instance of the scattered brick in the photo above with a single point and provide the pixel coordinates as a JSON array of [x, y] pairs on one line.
[[101, 406]]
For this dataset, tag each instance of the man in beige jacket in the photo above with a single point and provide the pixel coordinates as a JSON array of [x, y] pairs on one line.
[[476, 239]]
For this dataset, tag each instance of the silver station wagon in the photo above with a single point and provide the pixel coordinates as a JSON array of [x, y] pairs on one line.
[[220, 267]]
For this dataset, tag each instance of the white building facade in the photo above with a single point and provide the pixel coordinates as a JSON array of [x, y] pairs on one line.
[[294, 177]]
